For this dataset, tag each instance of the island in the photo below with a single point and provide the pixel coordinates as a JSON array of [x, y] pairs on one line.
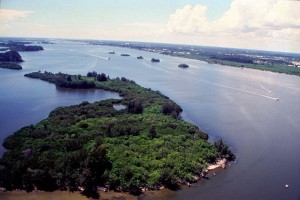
[[26, 48], [155, 60], [10, 66], [92, 146], [140, 57], [21, 46], [183, 66], [10, 56]]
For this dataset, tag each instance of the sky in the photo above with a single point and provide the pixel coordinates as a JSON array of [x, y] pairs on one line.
[[265, 24]]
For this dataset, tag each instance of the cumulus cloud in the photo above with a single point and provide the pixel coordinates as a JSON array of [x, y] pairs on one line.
[[243, 16], [188, 19], [247, 23]]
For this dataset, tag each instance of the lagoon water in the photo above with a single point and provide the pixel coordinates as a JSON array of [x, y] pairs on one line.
[[238, 105]]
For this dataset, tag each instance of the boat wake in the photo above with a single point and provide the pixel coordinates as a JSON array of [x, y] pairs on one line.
[[94, 55], [240, 90], [262, 87]]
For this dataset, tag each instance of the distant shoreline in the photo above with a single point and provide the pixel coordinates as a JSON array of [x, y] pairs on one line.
[[214, 58]]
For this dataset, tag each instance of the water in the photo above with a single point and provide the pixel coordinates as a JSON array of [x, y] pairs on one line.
[[237, 105]]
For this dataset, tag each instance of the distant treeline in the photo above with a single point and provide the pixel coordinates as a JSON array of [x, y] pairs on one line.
[[233, 58]]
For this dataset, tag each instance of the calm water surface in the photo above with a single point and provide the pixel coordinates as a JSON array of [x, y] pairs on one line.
[[237, 105]]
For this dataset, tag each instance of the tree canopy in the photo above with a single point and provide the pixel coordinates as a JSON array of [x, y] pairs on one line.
[[92, 144]]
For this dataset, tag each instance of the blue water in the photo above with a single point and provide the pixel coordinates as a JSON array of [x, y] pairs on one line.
[[237, 105]]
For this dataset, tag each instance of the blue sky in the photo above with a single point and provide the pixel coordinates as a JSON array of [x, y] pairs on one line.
[[268, 24], [106, 13]]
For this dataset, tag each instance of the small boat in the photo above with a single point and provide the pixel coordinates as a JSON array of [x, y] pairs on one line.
[[125, 54], [155, 60]]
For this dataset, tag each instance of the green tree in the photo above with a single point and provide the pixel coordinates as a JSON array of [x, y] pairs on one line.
[[95, 164], [135, 107], [152, 131]]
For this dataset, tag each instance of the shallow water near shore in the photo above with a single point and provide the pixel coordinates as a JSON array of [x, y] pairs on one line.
[[237, 105], [61, 195]]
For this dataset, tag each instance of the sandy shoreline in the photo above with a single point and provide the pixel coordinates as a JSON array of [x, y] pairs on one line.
[[220, 163]]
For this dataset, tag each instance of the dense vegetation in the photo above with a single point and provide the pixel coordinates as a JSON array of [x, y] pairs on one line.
[[93, 144], [10, 66], [10, 56], [64, 80], [233, 58]]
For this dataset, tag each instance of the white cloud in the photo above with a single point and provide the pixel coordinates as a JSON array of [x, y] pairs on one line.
[[14, 24], [242, 16], [188, 19], [10, 15], [284, 14], [10, 19], [255, 21]]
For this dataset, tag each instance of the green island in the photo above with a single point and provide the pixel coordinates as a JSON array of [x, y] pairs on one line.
[[20, 46], [10, 66], [26, 48], [10, 56], [92, 145]]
